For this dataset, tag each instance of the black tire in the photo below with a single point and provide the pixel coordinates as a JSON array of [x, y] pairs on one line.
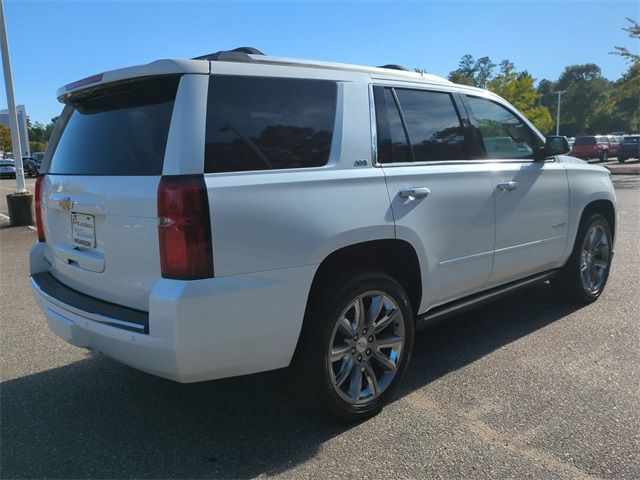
[[569, 283], [604, 156], [311, 362], [621, 159]]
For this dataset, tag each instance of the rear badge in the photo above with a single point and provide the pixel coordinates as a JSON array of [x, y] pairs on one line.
[[66, 204]]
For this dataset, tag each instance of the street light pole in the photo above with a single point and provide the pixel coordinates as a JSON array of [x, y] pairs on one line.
[[20, 204], [558, 113]]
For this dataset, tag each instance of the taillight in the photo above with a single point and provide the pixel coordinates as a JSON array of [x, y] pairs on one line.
[[38, 194], [184, 228]]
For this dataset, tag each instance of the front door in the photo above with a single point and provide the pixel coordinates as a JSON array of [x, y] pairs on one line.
[[531, 197]]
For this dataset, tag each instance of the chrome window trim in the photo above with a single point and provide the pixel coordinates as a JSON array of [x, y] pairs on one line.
[[503, 103], [374, 128]]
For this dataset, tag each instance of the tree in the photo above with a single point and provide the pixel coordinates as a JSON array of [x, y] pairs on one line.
[[35, 146], [5, 139], [585, 89], [517, 89], [634, 32], [466, 72]]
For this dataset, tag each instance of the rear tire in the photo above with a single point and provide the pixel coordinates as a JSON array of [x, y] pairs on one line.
[[584, 276], [356, 344], [621, 159]]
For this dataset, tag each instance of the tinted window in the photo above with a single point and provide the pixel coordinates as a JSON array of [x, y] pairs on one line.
[[631, 140], [116, 130], [256, 123], [503, 134], [585, 141], [433, 125]]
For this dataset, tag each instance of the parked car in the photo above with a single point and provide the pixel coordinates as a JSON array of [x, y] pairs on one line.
[[241, 213], [614, 141], [38, 156], [31, 166], [629, 148], [591, 147], [7, 168]]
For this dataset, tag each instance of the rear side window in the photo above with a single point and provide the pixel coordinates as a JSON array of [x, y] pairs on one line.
[[260, 123], [504, 135], [433, 125], [116, 129], [631, 140], [417, 125]]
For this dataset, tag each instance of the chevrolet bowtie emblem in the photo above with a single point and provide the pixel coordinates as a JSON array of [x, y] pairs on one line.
[[66, 204]]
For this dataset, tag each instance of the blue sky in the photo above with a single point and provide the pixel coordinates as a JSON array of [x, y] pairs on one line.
[[55, 42]]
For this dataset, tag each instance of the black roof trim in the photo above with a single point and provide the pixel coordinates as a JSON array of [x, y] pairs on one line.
[[393, 66], [240, 54]]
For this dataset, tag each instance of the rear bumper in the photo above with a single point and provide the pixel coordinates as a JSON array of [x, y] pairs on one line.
[[197, 330]]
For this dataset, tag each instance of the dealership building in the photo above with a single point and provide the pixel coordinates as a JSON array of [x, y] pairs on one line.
[[22, 127]]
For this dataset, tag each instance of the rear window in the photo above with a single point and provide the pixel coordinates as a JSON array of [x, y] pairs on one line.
[[260, 123], [585, 141], [116, 130]]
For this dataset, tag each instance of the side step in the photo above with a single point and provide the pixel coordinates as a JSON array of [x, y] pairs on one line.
[[441, 312]]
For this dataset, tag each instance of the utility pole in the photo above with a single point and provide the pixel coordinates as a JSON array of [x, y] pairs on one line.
[[559, 93], [20, 203]]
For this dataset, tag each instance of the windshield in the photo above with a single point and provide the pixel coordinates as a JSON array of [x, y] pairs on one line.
[[116, 130]]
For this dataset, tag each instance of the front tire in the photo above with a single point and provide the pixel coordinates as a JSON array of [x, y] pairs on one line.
[[585, 274], [356, 344]]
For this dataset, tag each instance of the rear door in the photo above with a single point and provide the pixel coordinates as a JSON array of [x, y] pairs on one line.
[[99, 194], [442, 202], [531, 197]]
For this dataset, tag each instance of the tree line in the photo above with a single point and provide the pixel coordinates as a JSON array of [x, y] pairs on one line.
[[590, 103]]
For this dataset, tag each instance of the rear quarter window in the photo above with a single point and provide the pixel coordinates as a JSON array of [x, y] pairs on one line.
[[264, 123], [116, 129]]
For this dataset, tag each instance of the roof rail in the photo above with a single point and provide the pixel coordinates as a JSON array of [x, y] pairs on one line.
[[393, 66], [240, 54]]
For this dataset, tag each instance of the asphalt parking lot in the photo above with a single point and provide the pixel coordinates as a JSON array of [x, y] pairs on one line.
[[527, 387]]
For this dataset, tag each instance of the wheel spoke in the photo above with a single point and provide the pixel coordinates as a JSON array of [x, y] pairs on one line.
[[355, 387], [601, 264], [372, 380], [345, 371], [339, 352], [597, 238], [360, 317], [384, 361], [377, 301], [389, 341], [386, 321], [345, 325]]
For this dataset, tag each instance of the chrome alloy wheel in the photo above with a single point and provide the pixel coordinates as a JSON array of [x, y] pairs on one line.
[[366, 347], [594, 259]]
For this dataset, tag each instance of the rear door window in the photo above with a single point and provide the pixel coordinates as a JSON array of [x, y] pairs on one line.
[[433, 125], [264, 123], [116, 129]]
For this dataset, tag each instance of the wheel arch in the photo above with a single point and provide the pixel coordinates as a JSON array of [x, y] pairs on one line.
[[397, 258], [604, 207]]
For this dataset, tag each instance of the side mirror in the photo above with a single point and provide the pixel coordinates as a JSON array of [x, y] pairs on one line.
[[554, 145]]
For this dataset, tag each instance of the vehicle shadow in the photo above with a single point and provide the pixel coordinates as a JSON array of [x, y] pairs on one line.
[[96, 418]]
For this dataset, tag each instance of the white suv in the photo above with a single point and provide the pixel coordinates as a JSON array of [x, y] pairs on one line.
[[239, 213]]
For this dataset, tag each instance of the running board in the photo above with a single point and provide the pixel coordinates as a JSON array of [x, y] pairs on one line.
[[439, 313]]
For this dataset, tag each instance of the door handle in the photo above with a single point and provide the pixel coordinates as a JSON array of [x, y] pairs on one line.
[[413, 193], [507, 186]]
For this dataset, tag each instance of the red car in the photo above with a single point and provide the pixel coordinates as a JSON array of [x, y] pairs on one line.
[[591, 147]]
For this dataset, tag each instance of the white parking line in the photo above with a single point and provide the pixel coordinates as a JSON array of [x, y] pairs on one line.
[[4, 216]]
